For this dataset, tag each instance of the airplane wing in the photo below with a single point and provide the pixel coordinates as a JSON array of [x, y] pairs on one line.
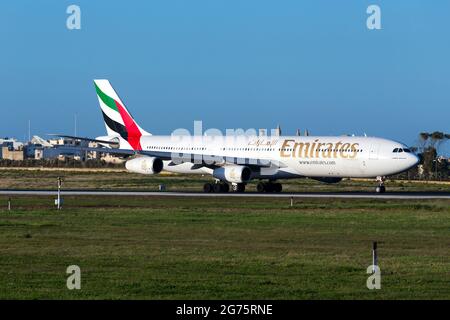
[[199, 160]]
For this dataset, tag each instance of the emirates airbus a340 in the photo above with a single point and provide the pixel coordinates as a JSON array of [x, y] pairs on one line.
[[238, 159]]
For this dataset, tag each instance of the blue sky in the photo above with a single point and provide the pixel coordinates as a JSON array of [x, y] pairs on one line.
[[233, 64]]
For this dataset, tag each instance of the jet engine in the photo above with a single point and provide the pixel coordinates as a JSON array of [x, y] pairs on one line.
[[144, 165], [236, 174]]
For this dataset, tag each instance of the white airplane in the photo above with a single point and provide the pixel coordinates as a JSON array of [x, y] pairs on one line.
[[238, 159]]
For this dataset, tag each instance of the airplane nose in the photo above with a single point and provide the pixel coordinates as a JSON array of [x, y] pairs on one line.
[[414, 160], [411, 161]]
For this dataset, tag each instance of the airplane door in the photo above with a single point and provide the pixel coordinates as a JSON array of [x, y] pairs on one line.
[[373, 152]]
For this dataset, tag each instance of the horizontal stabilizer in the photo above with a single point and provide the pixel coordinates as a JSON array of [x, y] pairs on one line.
[[112, 143]]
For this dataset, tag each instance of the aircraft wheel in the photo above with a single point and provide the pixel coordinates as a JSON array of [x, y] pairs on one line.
[[221, 187], [260, 187], [225, 187], [380, 189], [240, 187], [277, 187], [208, 187], [269, 187], [217, 187]]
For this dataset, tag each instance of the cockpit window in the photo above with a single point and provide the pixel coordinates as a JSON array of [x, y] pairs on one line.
[[402, 150]]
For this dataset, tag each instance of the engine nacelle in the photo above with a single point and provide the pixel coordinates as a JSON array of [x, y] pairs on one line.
[[236, 174], [145, 165]]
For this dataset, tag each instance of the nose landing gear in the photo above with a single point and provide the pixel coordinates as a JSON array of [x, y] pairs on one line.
[[380, 188]]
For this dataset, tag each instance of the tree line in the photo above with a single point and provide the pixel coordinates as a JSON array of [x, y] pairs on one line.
[[432, 166]]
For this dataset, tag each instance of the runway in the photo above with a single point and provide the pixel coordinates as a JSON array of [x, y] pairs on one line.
[[345, 195]]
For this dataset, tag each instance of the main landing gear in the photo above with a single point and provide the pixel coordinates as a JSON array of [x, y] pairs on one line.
[[223, 187], [380, 188], [269, 187], [217, 187]]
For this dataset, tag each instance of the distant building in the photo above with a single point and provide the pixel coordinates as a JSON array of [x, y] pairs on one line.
[[39, 149], [40, 141], [58, 148], [49, 153], [62, 142], [93, 154], [108, 158], [30, 150], [39, 154], [16, 144], [11, 153]]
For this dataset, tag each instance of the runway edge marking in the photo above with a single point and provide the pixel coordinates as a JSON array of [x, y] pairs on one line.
[[255, 195]]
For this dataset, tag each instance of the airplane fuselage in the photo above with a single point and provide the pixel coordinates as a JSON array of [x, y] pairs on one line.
[[306, 156]]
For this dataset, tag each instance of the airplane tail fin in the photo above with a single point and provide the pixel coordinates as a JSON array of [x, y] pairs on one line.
[[118, 120]]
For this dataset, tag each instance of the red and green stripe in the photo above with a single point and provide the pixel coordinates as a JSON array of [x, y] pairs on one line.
[[133, 133]]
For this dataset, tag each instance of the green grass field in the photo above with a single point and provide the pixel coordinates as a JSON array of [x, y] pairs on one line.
[[36, 179], [222, 248]]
